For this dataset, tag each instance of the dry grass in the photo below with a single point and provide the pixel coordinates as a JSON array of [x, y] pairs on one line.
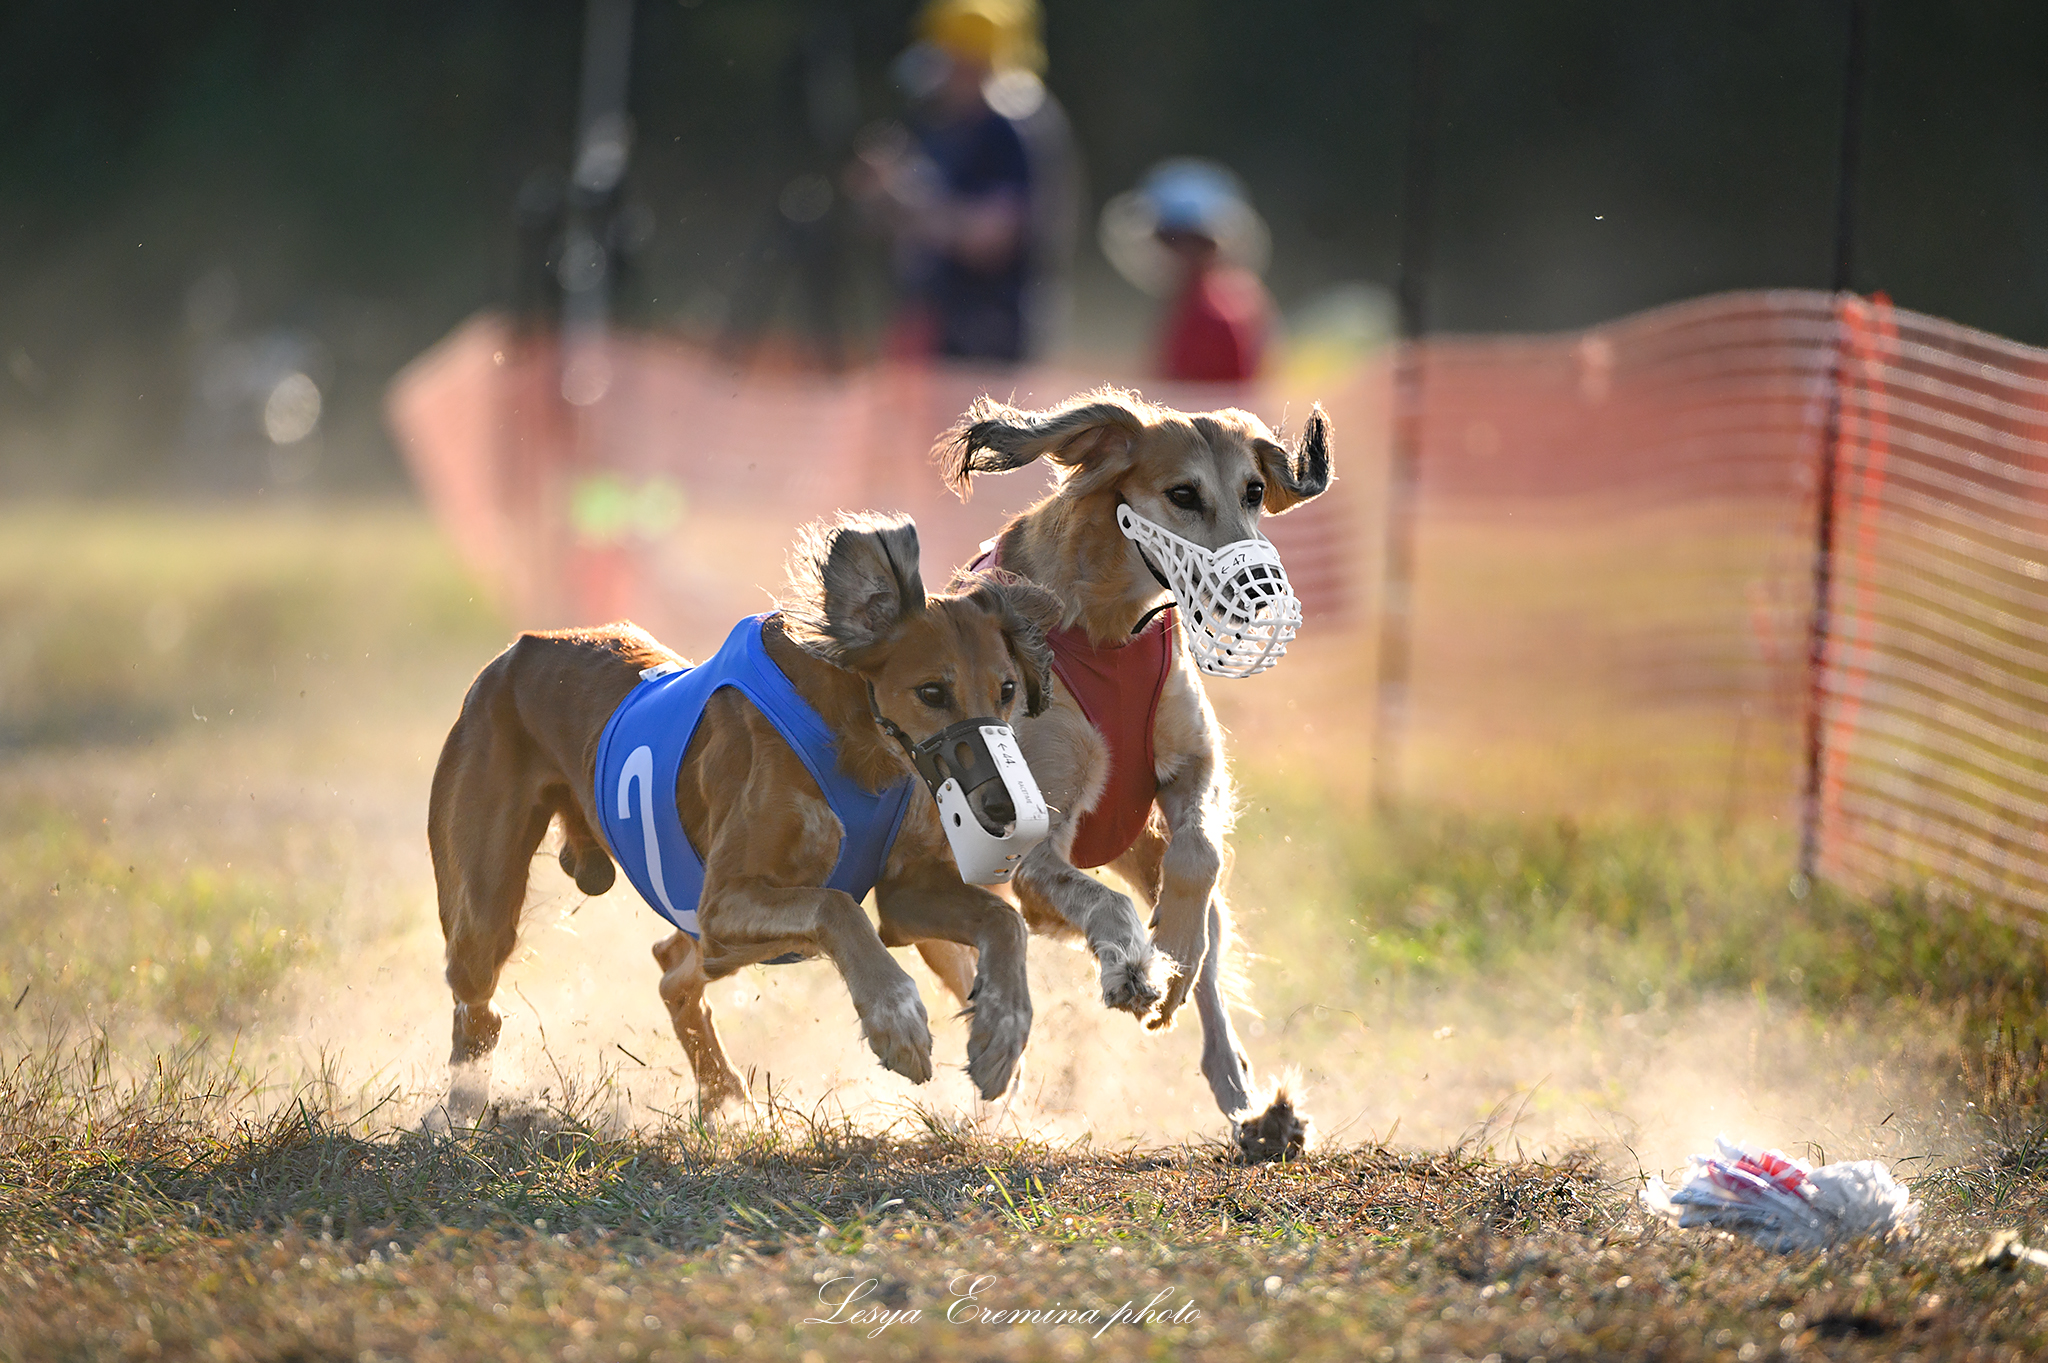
[[151, 1221], [176, 1181]]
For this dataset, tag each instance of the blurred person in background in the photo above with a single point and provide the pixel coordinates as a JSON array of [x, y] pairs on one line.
[[1188, 233], [980, 193]]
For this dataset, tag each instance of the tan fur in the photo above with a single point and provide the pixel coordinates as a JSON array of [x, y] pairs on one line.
[[525, 751], [1111, 446]]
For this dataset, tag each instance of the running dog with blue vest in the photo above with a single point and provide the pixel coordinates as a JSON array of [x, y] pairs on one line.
[[1151, 542], [857, 738]]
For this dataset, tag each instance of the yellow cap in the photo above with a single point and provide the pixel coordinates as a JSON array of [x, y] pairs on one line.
[[999, 34]]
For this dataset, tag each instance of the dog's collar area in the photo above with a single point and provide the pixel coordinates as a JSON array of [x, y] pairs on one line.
[[991, 557], [890, 726]]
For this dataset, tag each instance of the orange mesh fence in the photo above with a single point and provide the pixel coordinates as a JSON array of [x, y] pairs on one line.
[[1936, 680], [1613, 586], [1614, 535], [672, 498]]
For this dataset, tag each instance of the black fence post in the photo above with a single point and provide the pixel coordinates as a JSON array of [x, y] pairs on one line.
[[1822, 627], [1396, 645]]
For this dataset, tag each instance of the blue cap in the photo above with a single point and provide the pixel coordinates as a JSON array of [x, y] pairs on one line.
[[1192, 195]]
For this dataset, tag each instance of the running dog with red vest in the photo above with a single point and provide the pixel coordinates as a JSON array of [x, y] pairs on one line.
[[1151, 541]]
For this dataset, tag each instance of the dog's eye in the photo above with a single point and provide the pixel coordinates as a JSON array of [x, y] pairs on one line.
[[1187, 497], [932, 694], [1009, 692], [1254, 493]]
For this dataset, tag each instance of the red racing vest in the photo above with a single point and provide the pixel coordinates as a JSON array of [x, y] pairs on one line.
[[1118, 689]]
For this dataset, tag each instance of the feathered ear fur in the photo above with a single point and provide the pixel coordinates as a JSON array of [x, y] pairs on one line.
[[853, 581], [1293, 479], [1091, 434], [1028, 613]]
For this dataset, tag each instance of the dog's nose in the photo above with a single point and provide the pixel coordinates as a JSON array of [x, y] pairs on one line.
[[997, 810]]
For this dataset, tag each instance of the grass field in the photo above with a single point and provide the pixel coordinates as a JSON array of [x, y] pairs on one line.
[[222, 1023]]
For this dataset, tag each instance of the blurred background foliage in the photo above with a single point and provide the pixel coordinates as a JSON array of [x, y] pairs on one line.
[[190, 187]]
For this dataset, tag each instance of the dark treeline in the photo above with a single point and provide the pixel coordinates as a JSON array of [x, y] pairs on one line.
[[343, 176]]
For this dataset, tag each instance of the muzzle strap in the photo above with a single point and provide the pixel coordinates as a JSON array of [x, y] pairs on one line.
[[890, 727], [934, 758], [1158, 577]]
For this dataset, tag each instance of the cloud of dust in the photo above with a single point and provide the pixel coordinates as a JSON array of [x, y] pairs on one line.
[[583, 1016], [1649, 1088]]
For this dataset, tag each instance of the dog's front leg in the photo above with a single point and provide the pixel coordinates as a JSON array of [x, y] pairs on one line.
[[1224, 1063], [1195, 806], [745, 920], [1052, 888], [939, 907]]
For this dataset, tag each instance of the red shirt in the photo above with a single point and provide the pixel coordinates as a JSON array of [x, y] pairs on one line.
[[1118, 689], [1216, 331]]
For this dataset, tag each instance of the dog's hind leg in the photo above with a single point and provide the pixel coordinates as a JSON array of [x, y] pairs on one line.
[[1278, 1133], [583, 857], [1281, 1132], [955, 966], [682, 989], [485, 818]]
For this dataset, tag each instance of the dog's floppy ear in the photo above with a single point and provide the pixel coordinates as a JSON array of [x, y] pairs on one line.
[[854, 580], [1293, 479], [1028, 613], [1088, 436]]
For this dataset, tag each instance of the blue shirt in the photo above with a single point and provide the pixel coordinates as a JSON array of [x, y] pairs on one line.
[[980, 313], [641, 753]]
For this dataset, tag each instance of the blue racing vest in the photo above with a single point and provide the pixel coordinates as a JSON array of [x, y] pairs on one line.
[[642, 749]]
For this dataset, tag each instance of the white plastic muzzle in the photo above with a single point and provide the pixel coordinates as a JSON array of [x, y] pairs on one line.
[[988, 800], [1239, 611], [987, 851]]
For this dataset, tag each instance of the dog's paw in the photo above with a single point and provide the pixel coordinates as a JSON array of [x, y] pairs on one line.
[[722, 1102], [995, 1044], [475, 1036], [1183, 953], [1131, 981], [469, 1089], [900, 1035], [1277, 1134], [1175, 994]]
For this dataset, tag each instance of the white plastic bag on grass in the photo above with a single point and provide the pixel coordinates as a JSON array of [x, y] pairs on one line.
[[1786, 1204]]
